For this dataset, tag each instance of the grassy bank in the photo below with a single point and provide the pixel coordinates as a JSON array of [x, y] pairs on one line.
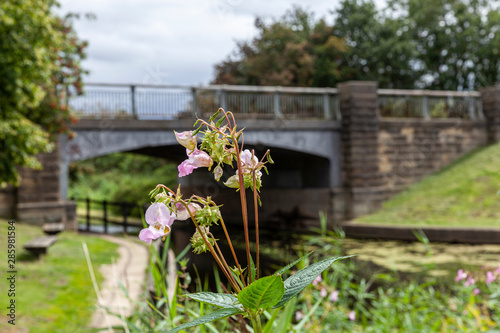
[[54, 293], [463, 194]]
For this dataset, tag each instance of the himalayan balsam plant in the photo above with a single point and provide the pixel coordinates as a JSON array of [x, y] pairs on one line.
[[222, 144]]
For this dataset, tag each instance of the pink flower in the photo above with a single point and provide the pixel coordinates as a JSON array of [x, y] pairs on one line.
[[196, 159], [298, 316], [182, 211], [186, 139], [352, 315], [323, 293], [490, 277], [461, 275], [334, 296], [159, 218], [470, 281], [317, 280], [247, 160], [476, 291]]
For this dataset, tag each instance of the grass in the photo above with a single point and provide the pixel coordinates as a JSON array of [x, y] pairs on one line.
[[54, 293], [463, 194]]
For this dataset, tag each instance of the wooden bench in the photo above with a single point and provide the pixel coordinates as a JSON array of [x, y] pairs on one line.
[[53, 228], [40, 245]]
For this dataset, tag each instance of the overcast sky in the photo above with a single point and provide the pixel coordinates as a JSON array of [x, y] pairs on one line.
[[167, 41]]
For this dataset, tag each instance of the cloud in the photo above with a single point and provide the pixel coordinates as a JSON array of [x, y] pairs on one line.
[[168, 41]]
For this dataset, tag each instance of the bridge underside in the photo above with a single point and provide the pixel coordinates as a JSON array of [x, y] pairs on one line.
[[307, 164]]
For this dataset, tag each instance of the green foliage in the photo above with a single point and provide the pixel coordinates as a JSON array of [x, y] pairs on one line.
[[262, 293], [450, 45], [296, 50], [54, 293], [298, 281], [120, 177], [39, 58], [217, 299], [218, 314], [462, 194]]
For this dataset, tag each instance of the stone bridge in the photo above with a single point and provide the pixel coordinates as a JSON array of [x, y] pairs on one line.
[[344, 167]]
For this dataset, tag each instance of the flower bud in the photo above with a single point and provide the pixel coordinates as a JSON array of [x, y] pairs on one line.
[[232, 182], [186, 139], [218, 173]]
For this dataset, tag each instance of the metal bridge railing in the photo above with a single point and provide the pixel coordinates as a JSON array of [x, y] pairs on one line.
[[169, 102], [430, 104]]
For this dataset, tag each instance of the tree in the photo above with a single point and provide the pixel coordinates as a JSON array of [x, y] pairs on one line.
[[458, 41], [40, 58], [430, 44], [381, 47], [296, 50]]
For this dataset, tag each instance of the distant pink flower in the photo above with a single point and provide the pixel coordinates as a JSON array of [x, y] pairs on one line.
[[323, 293], [317, 280], [298, 315], [352, 315], [476, 291], [186, 139], [159, 218], [196, 159], [470, 281], [461, 275], [334, 296], [490, 277]]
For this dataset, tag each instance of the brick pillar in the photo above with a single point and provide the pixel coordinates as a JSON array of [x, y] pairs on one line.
[[491, 108], [39, 194], [362, 178]]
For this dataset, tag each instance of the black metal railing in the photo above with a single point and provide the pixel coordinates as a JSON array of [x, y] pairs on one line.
[[109, 213]]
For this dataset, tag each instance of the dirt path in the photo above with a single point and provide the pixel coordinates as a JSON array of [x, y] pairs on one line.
[[130, 270]]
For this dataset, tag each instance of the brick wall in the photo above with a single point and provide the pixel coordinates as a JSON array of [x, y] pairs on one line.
[[382, 156], [410, 149]]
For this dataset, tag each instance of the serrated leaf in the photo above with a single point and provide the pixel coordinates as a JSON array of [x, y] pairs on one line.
[[287, 267], [262, 293], [222, 300], [221, 313], [297, 282]]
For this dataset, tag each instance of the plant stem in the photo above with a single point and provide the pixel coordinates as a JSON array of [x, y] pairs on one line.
[[256, 325], [225, 270], [232, 250], [244, 210], [256, 213]]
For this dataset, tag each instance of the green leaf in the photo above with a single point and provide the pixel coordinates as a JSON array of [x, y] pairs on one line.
[[263, 293], [253, 271], [197, 130], [297, 282], [221, 313], [219, 122], [214, 115], [222, 300], [287, 267]]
